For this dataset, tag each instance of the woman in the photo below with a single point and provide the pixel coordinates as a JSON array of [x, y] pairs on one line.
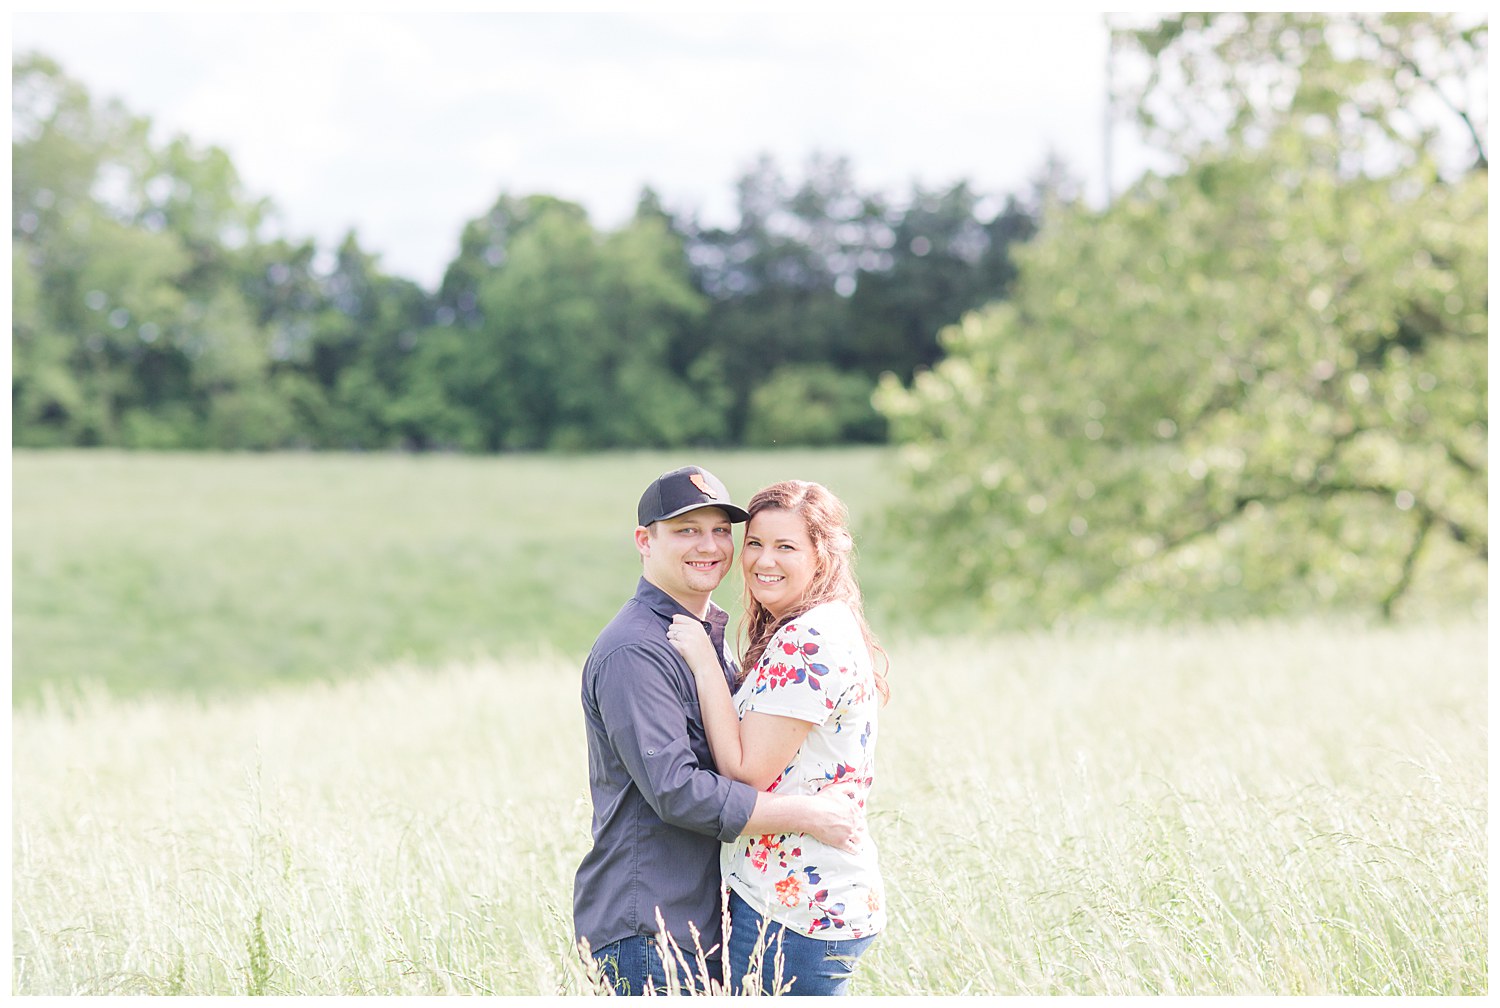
[[803, 718]]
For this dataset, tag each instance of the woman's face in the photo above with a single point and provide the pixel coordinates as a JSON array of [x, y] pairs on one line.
[[778, 560]]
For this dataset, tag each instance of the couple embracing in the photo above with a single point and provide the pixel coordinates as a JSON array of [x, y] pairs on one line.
[[706, 772]]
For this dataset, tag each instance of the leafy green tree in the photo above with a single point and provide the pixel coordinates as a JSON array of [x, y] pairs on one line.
[[1385, 91], [812, 404], [64, 363], [279, 279], [1257, 385], [649, 310], [570, 337], [817, 274], [430, 411], [543, 333], [459, 384], [778, 279], [47, 399], [360, 349], [132, 328], [943, 260], [484, 247]]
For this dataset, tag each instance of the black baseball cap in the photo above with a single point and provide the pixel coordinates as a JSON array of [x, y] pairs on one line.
[[683, 490]]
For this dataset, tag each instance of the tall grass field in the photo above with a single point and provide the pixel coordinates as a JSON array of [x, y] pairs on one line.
[[1290, 807]]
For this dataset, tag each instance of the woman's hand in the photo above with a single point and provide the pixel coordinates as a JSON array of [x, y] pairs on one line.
[[691, 641]]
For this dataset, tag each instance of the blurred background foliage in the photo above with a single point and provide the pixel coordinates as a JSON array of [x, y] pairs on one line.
[[1256, 385], [151, 312], [1253, 383]]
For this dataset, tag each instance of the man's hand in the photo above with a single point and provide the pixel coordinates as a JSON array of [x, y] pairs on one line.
[[834, 816], [838, 818]]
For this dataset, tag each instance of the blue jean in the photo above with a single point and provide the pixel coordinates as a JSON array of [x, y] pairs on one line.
[[786, 961], [629, 964]]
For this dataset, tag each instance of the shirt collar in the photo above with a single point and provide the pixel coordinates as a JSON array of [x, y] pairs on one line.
[[666, 606]]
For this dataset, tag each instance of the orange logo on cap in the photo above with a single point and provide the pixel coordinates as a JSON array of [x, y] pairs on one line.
[[698, 481]]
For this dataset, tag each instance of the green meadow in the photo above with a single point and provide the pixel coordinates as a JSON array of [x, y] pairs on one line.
[[218, 573], [305, 724]]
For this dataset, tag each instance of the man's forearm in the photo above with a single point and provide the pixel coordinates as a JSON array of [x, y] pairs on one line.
[[774, 813]]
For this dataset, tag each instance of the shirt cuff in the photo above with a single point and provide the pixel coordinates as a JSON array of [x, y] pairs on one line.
[[739, 804]]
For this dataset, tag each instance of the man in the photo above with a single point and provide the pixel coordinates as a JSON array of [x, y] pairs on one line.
[[660, 811]]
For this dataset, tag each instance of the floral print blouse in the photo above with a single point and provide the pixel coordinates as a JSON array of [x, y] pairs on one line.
[[816, 668]]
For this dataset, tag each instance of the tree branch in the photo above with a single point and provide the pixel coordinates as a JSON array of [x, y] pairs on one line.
[[1403, 582], [1454, 456], [1473, 539], [1429, 517], [1406, 61]]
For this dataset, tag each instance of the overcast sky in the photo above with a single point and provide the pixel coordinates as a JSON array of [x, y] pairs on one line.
[[405, 126]]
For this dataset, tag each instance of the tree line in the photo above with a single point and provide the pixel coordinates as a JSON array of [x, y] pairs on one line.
[[150, 310]]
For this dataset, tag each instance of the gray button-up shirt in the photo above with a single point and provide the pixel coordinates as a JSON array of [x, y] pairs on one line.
[[660, 812]]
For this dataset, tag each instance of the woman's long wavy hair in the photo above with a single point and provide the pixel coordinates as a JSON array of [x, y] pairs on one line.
[[827, 523]]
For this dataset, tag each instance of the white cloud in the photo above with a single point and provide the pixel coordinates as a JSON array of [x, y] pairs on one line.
[[405, 125]]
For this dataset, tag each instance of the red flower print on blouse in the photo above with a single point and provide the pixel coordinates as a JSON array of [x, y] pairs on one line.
[[776, 675], [760, 851], [789, 890]]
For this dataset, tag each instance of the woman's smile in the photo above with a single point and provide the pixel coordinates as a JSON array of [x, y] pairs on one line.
[[778, 560]]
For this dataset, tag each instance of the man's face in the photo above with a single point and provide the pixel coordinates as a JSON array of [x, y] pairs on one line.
[[687, 556]]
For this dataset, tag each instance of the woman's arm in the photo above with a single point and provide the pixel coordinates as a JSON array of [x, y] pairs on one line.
[[835, 816], [754, 750]]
